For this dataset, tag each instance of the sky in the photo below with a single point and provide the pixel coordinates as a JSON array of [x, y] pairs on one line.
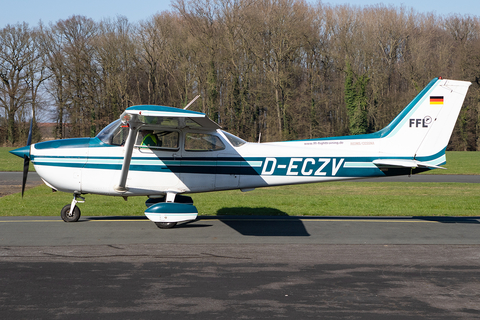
[[32, 11]]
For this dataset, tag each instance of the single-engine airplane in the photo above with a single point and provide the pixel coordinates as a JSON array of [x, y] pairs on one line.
[[163, 152]]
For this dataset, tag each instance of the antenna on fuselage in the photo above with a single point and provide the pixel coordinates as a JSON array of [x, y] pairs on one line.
[[190, 103]]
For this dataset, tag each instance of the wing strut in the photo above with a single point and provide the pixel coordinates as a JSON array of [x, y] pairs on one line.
[[190, 103], [133, 125]]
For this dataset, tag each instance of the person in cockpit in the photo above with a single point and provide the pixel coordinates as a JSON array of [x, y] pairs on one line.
[[150, 139]]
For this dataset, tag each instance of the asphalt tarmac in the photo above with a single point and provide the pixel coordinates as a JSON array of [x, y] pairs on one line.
[[11, 182], [240, 268]]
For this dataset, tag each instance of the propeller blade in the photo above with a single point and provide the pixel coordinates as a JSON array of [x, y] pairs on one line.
[[29, 140], [26, 163], [26, 159]]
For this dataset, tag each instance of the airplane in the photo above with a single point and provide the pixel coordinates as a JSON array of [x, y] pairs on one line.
[[164, 153]]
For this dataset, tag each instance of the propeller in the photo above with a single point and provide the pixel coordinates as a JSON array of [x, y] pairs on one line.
[[26, 158]]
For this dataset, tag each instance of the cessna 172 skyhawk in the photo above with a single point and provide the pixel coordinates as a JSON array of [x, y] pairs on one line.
[[163, 152]]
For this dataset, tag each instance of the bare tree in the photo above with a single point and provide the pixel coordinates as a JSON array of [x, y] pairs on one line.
[[51, 43], [82, 78], [269, 69], [17, 53], [201, 21], [115, 53]]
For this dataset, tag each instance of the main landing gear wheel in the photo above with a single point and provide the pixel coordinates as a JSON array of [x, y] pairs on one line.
[[67, 217], [165, 225]]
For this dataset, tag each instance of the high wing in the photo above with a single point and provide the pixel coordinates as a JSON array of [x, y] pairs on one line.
[[146, 116], [156, 114]]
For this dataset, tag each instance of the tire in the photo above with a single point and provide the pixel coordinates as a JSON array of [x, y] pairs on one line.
[[166, 225], [75, 214]]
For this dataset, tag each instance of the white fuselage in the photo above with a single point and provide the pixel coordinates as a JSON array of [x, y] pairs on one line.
[[87, 166]]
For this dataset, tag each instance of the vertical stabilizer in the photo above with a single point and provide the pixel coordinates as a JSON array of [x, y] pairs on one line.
[[424, 127], [449, 100]]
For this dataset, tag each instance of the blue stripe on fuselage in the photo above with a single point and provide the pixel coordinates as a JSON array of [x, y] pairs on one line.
[[265, 166]]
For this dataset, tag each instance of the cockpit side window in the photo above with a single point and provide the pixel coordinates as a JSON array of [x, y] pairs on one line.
[[157, 139], [114, 134], [203, 142]]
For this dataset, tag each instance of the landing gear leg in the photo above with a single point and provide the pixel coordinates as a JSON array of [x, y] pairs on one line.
[[71, 213]]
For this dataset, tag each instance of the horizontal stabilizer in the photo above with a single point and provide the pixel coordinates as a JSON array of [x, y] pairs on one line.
[[404, 163]]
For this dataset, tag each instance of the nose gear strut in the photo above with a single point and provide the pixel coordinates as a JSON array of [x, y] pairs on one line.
[[71, 213]]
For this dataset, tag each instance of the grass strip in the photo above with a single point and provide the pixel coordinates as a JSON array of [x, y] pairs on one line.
[[460, 162], [322, 199]]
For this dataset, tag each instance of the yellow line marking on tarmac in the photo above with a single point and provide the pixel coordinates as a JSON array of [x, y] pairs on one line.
[[376, 220], [16, 221], [92, 220], [318, 220], [273, 220]]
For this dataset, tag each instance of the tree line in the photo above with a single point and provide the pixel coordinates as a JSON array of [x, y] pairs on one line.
[[266, 70]]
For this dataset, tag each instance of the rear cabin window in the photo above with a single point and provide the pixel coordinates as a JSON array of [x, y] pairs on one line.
[[234, 140], [203, 142]]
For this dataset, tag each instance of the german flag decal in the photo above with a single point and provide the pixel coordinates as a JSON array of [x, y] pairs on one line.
[[436, 99]]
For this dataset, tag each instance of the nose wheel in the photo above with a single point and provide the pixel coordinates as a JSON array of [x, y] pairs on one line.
[[70, 217], [71, 213]]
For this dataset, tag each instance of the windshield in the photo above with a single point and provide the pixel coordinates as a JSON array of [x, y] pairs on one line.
[[114, 134], [234, 140]]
